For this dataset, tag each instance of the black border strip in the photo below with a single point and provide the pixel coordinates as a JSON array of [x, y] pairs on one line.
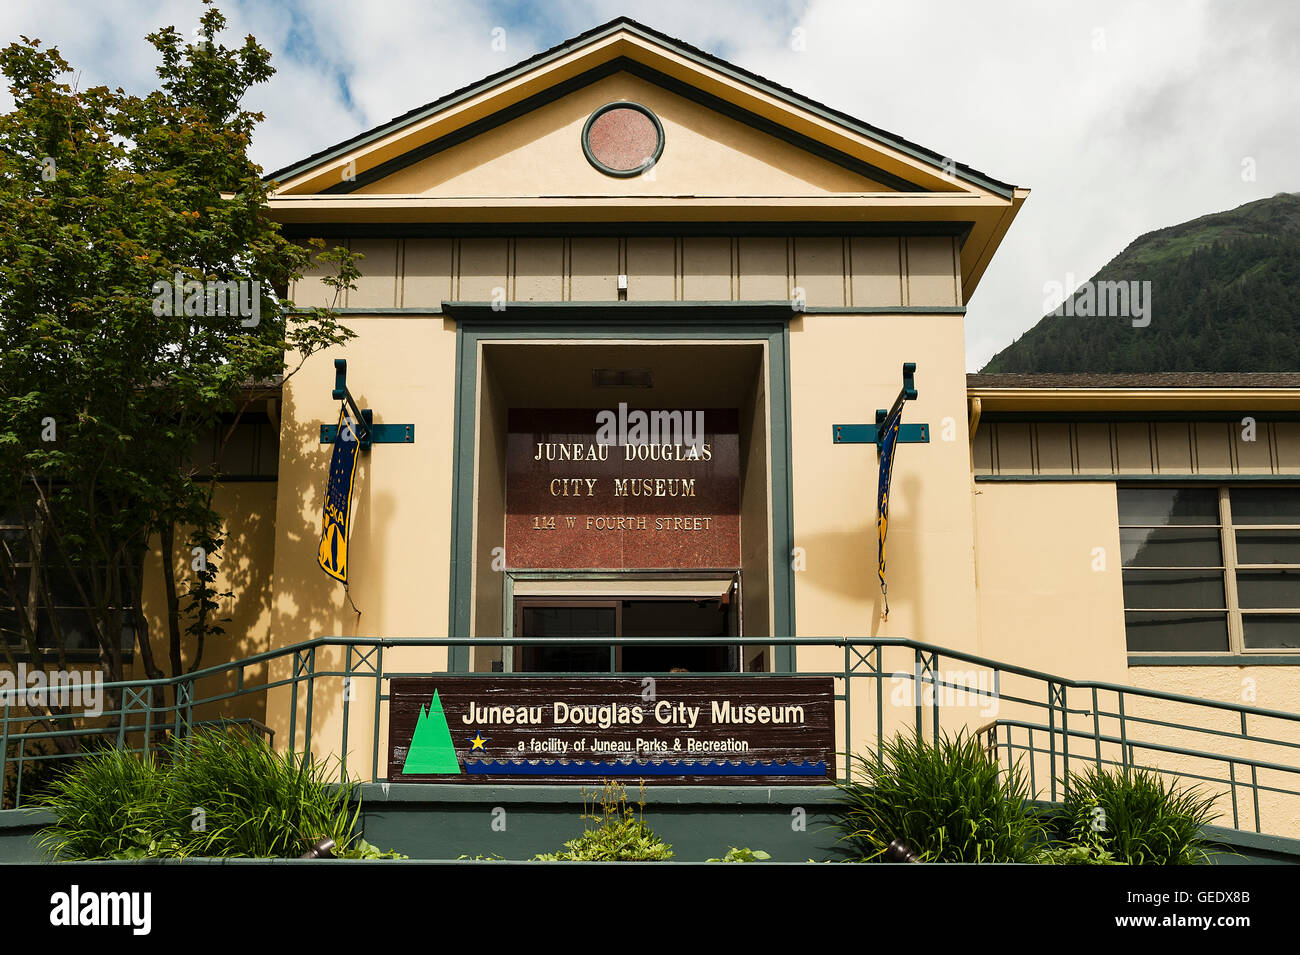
[[601, 230]]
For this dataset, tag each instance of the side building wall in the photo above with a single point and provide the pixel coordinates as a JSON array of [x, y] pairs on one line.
[[1050, 582]]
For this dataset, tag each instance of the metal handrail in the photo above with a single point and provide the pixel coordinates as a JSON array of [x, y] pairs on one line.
[[266, 655], [144, 715]]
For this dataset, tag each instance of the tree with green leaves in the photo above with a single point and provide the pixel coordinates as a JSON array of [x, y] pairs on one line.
[[142, 307]]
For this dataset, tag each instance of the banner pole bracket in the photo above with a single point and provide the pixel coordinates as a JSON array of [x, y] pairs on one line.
[[370, 433], [870, 433]]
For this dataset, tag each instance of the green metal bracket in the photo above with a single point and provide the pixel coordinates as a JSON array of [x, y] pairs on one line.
[[379, 433], [870, 433], [370, 433]]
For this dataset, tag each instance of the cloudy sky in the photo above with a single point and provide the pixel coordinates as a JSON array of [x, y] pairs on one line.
[[1121, 116]]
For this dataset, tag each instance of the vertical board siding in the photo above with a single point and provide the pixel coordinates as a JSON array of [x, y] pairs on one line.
[[930, 271], [377, 285], [706, 269], [876, 271], [593, 269], [651, 269], [763, 269], [819, 269], [427, 273], [538, 270], [483, 269], [1136, 447], [831, 271]]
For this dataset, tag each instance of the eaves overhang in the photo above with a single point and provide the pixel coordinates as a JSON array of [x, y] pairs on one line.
[[673, 59], [1133, 400], [931, 194]]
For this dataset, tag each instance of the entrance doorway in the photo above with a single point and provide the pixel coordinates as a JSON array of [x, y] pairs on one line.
[[702, 614], [549, 500]]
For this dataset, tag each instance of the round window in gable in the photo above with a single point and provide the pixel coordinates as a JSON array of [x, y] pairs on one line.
[[623, 139]]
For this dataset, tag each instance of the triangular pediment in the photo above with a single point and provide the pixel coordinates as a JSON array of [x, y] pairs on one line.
[[712, 112], [540, 153], [512, 148]]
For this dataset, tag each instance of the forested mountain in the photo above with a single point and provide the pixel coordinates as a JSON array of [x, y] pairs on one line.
[[1223, 297]]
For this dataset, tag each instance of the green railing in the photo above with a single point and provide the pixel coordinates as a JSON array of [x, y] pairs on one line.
[[1051, 726]]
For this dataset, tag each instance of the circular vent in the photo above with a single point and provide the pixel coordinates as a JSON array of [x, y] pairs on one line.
[[623, 139]]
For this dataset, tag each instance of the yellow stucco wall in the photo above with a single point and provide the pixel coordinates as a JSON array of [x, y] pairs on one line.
[[930, 556], [1265, 687], [931, 552], [244, 569], [1049, 580], [399, 550], [1048, 572]]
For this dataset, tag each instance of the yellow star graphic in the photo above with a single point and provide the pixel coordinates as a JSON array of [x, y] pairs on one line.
[[477, 742]]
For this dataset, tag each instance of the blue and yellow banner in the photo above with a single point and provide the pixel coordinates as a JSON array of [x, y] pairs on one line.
[[887, 440], [333, 553]]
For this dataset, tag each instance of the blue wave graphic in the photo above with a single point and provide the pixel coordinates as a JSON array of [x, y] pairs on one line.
[[649, 768]]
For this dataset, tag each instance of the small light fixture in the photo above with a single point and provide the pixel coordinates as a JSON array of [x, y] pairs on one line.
[[622, 378], [899, 851], [324, 849]]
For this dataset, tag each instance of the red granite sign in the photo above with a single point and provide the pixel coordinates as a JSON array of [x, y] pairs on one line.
[[574, 500]]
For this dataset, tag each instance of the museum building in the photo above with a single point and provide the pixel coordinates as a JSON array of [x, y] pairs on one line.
[[626, 318]]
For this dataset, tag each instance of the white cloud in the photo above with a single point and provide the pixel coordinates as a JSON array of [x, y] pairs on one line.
[[1122, 118]]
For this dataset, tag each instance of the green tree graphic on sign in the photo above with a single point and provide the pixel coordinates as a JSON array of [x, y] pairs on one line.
[[432, 750]]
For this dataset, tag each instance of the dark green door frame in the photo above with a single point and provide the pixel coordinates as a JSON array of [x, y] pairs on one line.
[[686, 322]]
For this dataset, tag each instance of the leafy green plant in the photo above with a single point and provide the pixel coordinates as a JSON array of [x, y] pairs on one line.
[[143, 844], [1138, 817], [252, 801], [364, 850], [620, 833], [742, 855], [107, 807], [1083, 854], [217, 793], [946, 799]]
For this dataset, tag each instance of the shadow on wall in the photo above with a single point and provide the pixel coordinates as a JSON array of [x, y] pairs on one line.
[[844, 563], [245, 569], [309, 604], [265, 613]]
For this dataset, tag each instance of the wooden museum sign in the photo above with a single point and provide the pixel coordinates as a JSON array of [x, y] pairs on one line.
[[760, 730]]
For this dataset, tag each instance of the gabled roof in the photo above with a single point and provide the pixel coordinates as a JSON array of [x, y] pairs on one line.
[[627, 25], [762, 158], [1190, 392], [1156, 379]]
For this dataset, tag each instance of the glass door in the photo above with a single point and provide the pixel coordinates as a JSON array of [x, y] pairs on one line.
[[678, 618], [558, 618]]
